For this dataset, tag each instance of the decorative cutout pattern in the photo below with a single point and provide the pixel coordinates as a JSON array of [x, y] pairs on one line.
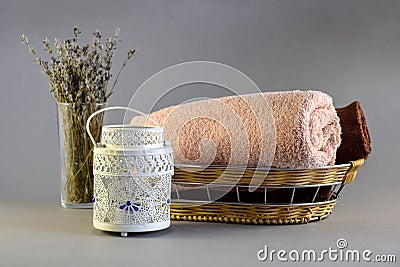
[[142, 165], [117, 137], [132, 189]]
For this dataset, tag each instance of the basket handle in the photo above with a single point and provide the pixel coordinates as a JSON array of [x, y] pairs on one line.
[[352, 172], [114, 108]]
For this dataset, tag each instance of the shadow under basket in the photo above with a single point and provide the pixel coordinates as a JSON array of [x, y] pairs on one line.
[[281, 196]]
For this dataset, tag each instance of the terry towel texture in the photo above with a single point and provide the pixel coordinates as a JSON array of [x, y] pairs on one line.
[[306, 134], [356, 142]]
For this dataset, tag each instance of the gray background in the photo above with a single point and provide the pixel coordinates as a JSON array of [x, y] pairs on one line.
[[349, 49]]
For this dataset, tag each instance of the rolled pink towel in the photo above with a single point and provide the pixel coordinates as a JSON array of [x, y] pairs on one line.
[[290, 129]]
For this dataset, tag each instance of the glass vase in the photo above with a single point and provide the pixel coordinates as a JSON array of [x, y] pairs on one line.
[[76, 152]]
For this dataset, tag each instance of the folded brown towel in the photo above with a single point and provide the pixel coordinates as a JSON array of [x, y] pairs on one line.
[[356, 142]]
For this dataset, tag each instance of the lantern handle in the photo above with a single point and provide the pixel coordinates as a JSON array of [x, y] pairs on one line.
[[114, 108]]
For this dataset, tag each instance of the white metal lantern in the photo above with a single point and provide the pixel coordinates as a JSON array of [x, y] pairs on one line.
[[132, 168]]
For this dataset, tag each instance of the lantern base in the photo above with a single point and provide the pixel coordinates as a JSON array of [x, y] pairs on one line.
[[137, 228]]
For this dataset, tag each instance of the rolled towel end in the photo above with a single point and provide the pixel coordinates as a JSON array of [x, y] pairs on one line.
[[315, 133]]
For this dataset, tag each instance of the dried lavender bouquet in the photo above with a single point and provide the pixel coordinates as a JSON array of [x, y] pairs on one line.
[[78, 78]]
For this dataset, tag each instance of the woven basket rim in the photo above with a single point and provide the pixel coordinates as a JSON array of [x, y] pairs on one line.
[[274, 176], [183, 166], [191, 203]]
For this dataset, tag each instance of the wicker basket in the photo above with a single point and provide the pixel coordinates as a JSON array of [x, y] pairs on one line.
[[285, 196]]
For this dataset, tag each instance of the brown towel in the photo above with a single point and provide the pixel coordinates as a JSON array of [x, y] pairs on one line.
[[306, 134], [356, 142]]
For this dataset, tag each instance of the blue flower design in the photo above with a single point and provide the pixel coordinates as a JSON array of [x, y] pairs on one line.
[[129, 206]]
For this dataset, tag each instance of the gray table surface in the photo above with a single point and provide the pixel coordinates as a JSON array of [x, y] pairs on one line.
[[41, 233]]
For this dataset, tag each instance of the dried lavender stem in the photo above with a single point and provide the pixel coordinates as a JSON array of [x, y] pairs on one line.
[[79, 75]]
